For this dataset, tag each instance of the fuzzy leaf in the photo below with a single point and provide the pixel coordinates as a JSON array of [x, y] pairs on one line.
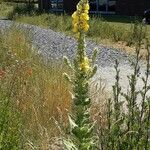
[[71, 122], [66, 76], [69, 145], [93, 71], [94, 55], [67, 62]]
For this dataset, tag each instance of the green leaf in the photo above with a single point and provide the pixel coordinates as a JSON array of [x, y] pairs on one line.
[[94, 70], [66, 76], [67, 62], [94, 55]]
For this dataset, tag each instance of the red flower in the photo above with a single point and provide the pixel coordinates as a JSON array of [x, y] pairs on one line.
[[2, 74], [29, 71]]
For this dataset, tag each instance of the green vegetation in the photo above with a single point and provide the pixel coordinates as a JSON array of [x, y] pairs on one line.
[[99, 28], [5, 10], [35, 99], [32, 93], [81, 127], [117, 31], [112, 28]]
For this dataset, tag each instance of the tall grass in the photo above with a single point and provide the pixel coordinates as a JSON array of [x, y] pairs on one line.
[[32, 89]]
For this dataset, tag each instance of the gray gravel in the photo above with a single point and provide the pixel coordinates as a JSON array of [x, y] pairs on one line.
[[54, 45]]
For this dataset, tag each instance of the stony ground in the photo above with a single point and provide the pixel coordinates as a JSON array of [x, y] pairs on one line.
[[54, 45]]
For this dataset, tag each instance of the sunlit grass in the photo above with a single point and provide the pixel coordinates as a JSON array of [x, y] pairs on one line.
[[5, 9], [39, 91], [40, 95]]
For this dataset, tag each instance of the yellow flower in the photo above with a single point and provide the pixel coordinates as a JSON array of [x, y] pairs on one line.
[[84, 16], [80, 18], [86, 7], [79, 7], [85, 65], [74, 21], [86, 27], [75, 15], [75, 27]]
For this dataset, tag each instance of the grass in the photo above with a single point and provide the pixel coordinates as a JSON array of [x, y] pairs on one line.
[[36, 95], [120, 19], [38, 92], [35, 99], [5, 9]]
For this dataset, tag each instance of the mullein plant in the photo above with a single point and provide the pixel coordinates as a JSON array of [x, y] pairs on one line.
[[81, 127], [128, 119]]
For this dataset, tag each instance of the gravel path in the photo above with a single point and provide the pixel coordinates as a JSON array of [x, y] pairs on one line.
[[55, 45]]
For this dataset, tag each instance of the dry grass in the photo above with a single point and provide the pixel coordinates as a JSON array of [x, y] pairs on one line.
[[39, 90]]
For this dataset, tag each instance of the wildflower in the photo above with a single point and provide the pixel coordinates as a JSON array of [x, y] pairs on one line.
[[75, 15], [75, 29], [29, 71], [81, 17], [86, 7], [75, 22], [81, 127], [2, 73], [84, 17], [85, 27], [79, 7], [85, 65]]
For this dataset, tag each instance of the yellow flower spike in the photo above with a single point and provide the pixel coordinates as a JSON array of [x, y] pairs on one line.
[[86, 27], [81, 17], [84, 16], [83, 71], [86, 7], [74, 15], [75, 28], [79, 7], [85, 65]]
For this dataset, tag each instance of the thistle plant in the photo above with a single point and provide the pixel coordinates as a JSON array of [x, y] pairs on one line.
[[83, 69]]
